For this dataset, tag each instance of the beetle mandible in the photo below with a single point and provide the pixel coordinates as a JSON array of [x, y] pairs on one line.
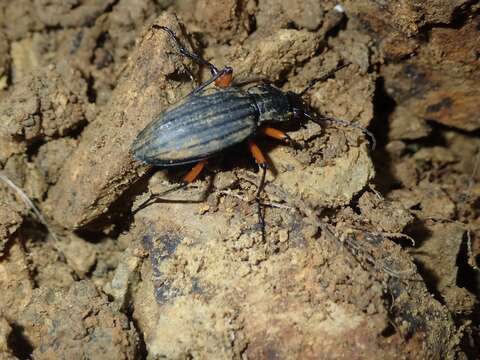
[[208, 121]]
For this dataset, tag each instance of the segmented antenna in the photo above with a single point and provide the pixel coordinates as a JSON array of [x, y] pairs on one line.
[[344, 123], [324, 119]]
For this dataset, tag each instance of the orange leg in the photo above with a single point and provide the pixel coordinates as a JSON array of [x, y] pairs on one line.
[[274, 133], [262, 162], [225, 80], [196, 170], [187, 179], [279, 135], [222, 79], [257, 153]]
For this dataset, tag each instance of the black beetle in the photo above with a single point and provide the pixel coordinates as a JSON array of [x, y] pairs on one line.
[[210, 120]]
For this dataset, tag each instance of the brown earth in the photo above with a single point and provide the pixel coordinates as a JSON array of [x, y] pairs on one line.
[[366, 254]]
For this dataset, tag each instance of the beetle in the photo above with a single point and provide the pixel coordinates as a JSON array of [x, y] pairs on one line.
[[208, 121]]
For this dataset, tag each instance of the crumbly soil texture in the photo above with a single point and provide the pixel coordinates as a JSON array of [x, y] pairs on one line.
[[366, 253]]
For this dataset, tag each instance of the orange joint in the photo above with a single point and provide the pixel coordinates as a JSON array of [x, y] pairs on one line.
[[274, 133], [194, 172], [257, 153], [225, 80]]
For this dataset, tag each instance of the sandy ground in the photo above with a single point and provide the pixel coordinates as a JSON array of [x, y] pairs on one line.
[[367, 253]]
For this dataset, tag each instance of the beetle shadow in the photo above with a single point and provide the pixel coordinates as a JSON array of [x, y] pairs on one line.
[[241, 159], [159, 198]]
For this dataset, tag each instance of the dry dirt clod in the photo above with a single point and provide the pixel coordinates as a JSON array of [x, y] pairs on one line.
[[232, 24], [4, 61], [80, 255], [438, 255], [126, 277], [306, 14], [328, 185], [15, 281], [52, 156], [5, 334], [10, 220], [384, 215], [272, 56], [79, 321], [51, 102]]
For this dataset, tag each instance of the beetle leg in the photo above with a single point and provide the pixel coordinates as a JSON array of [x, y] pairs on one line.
[[187, 179], [222, 78], [275, 133], [263, 164], [226, 79], [194, 172], [182, 50], [279, 135]]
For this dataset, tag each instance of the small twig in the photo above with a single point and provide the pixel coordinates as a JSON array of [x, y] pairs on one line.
[[29, 203]]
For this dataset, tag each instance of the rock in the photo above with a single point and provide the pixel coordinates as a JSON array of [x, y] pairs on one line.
[[212, 289], [327, 185], [385, 215], [80, 254], [5, 338], [438, 254], [10, 220], [15, 282], [125, 278]]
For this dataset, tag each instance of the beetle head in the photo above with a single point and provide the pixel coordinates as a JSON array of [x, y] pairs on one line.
[[299, 107]]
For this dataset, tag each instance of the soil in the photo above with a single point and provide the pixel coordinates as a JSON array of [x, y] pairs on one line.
[[367, 253]]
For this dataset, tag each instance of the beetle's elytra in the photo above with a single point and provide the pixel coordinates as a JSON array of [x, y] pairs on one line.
[[209, 121]]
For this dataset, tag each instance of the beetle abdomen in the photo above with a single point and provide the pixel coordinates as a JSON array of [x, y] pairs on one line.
[[197, 128]]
